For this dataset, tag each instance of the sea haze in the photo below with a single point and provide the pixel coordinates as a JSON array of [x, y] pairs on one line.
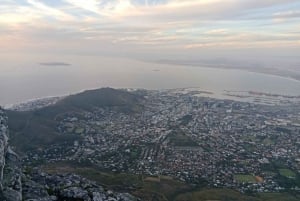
[[26, 79]]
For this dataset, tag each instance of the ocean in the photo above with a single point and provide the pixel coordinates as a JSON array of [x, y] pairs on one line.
[[27, 79]]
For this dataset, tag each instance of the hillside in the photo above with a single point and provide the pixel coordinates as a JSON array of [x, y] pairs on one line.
[[34, 129]]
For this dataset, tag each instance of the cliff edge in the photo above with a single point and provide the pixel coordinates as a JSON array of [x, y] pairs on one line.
[[10, 167]]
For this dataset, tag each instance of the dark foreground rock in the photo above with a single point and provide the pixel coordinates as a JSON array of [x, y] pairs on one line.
[[67, 187], [10, 167]]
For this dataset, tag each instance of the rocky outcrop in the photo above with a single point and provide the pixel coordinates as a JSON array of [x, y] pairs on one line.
[[3, 144], [10, 168], [70, 187]]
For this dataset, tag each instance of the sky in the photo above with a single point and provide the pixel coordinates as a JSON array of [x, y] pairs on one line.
[[259, 32]]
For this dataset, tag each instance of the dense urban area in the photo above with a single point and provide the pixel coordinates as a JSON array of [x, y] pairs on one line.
[[223, 143]]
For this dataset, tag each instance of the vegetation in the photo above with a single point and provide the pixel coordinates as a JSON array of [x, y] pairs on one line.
[[216, 195], [186, 119], [180, 139], [106, 97], [31, 130], [278, 197], [287, 173]]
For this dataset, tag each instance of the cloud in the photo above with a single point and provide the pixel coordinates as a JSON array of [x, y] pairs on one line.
[[217, 32], [287, 14], [148, 26]]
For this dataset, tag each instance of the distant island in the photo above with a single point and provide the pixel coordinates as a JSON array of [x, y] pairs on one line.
[[54, 64]]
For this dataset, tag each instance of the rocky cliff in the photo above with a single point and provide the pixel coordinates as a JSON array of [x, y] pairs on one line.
[[38, 186], [10, 168]]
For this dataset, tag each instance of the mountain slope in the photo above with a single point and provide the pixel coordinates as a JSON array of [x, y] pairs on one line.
[[35, 129]]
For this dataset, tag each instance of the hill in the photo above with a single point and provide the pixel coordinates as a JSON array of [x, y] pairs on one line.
[[35, 129], [120, 100]]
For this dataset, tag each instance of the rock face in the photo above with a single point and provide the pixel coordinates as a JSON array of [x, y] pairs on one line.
[[39, 186], [10, 168]]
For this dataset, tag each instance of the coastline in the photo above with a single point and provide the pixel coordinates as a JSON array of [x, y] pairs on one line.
[[263, 70], [257, 97]]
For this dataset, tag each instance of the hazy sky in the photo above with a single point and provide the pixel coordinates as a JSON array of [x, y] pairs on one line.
[[258, 30]]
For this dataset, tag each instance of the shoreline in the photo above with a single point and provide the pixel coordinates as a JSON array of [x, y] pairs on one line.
[[263, 70]]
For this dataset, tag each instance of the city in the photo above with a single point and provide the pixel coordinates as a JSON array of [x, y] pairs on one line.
[[239, 145]]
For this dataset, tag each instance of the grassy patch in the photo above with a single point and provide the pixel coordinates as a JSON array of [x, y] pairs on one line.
[[245, 178], [215, 195], [181, 140], [268, 141], [79, 130], [287, 173]]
